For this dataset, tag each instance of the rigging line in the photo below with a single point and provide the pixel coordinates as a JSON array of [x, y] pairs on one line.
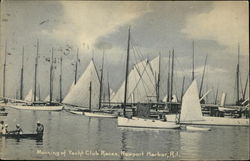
[[241, 84], [138, 81]]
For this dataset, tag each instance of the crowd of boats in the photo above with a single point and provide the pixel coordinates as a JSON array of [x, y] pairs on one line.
[[136, 103]]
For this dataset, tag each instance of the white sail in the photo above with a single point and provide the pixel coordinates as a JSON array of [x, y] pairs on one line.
[[141, 83], [79, 94], [47, 99], [191, 108], [30, 96], [133, 78]]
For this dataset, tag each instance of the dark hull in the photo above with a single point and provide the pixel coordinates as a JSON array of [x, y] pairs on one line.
[[3, 113], [34, 136]]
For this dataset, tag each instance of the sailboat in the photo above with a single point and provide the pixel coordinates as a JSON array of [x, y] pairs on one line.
[[31, 101], [78, 95], [191, 112], [136, 121]]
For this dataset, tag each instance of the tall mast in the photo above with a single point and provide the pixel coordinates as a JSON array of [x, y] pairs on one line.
[[76, 65], [39, 94], [36, 62], [21, 83], [182, 89], [237, 77], [4, 69], [90, 90], [203, 77], [172, 76], [168, 82], [126, 75], [51, 77], [158, 80], [193, 63], [100, 94], [60, 80], [108, 91]]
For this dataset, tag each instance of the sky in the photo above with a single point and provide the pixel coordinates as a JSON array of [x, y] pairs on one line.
[[216, 27]]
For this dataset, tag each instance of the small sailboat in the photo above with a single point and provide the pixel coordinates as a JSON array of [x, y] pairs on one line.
[[191, 112]]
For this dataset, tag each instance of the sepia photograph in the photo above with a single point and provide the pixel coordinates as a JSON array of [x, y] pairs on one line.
[[124, 80]]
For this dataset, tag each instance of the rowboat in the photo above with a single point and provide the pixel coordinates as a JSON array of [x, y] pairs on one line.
[[18, 136], [100, 114]]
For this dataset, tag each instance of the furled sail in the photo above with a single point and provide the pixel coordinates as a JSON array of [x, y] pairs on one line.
[[191, 108], [79, 93], [30, 96]]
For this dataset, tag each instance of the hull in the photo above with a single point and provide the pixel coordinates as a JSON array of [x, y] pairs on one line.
[[76, 112], [3, 113], [192, 128], [38, 108], [146, 123], [99, 114], [34, 136], [213, 121]]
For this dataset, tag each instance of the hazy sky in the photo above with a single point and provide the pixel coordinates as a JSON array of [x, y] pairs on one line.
[[216, 28]]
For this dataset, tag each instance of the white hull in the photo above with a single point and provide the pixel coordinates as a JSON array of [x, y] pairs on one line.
[[146, 123], [213, 121], [76, 112], [192, 128], [37, 108], [99, 114]]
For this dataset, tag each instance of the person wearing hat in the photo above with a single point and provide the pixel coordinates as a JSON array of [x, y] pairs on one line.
[[18, 130], [5, 129], [39, 128], [1, 126]]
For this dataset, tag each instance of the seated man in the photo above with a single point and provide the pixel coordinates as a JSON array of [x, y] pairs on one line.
[[39, 128], [1, 126], [18, 130], [5, 129]]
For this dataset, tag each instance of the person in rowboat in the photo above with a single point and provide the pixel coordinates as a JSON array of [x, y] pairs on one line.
[[18, 130], [5, 129], [39, 128], [1, 126]]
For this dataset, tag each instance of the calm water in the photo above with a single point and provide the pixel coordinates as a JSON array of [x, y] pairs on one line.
[[69, 136]]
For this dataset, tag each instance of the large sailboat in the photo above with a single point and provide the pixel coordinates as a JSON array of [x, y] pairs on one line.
[[139, 122]]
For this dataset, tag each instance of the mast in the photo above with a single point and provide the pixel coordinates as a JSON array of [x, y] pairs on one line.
[[168, 82], [203, 77], [182, 89], [4, 68], [172, 76], [90, 90], [193, 63], [60, 79], [158, 80], [51, 77], [39, 94], [36, 61], [100, 94], [126, 75], [108, 91], [76, 65], [237, 77], [21, 82]]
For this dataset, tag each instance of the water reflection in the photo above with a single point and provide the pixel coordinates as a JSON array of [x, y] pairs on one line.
[[123, 143]]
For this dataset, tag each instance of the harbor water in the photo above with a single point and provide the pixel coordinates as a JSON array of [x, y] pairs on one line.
[[69, 136]]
